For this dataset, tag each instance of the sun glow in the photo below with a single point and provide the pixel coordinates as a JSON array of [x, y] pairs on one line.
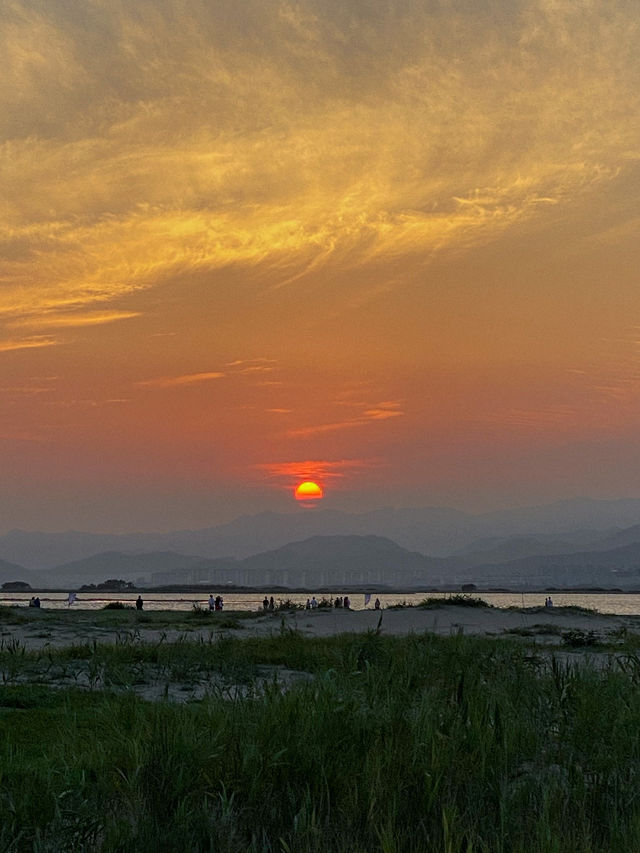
[[308, 492]]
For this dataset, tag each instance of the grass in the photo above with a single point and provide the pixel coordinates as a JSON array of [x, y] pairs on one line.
[[394, 744], [123, 617]]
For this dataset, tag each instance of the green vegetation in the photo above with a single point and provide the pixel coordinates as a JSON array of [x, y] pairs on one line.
[[394, 744], [126, 618], [454, 601]]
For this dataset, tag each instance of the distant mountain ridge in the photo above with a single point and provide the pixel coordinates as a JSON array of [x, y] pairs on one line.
[[13, 572], [438, 531], [579, 556], [618, 567]]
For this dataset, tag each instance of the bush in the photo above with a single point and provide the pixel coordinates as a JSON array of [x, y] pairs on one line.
[[289, 604], [578, 639], [454, 601]]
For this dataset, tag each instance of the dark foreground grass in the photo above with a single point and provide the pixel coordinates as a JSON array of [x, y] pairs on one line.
[[455, 745]]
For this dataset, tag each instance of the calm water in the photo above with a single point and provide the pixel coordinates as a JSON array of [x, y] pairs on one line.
[[619, 603]]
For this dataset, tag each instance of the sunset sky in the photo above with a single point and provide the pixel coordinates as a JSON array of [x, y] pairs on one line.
[[391, 246]]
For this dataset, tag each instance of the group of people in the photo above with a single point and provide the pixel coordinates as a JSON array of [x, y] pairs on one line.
[[341, 601], [216, 603], [548, 602], [34, 602], [268, 603]]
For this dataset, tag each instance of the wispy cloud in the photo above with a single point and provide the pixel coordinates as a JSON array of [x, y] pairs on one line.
[[318, 429], [385, 410], [369, 413], [177, 381], [319, 470], [80, 318], [28, 343], [410, 155], [237, 368], [250, 366]]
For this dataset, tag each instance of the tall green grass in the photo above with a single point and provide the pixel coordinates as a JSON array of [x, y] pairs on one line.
[[401, 745]]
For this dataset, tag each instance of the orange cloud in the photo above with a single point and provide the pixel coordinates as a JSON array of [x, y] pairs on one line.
[[60, 320], [28, 343], [102, 199], [379, 412], [176, 381], [320, 470]]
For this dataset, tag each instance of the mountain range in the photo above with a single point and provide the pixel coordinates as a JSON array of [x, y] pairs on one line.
[[437, 531], [572, 543]]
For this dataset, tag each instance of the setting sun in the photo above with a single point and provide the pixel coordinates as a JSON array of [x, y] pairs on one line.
[[307, 492]]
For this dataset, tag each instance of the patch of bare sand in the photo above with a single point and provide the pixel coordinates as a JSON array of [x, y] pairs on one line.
[[444, 620]]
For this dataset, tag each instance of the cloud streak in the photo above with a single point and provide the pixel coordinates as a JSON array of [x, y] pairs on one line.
[[180, 381], [28, 343], [287, 474], [461, 131], [379, 412]]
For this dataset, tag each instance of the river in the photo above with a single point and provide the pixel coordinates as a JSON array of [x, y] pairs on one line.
[[609, 602]]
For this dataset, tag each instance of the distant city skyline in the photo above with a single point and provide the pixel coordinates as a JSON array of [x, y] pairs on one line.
[[389, 248]]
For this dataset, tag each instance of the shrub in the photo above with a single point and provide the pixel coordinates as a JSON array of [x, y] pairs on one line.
[[454, 601]]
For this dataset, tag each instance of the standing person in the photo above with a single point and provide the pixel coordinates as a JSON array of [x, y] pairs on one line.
[[272, 604], [308, 605], [265, 603], [139, 603], [212, 602], [346, 603], [377, 604], [314, 603]]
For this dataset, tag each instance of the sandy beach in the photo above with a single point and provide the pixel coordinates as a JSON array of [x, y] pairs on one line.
[[37, 630]]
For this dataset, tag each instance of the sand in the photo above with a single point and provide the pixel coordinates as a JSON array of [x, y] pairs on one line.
[[488, 621], [446, 620]]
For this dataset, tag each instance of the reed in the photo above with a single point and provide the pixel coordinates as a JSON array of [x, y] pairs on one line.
[[419, 743]]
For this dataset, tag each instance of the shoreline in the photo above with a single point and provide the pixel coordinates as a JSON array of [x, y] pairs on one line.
[[205, 589]]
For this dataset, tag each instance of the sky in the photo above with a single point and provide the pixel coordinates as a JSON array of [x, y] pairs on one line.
[[391, 247]]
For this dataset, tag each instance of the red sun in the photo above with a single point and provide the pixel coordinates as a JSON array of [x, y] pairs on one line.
[[307, 493]]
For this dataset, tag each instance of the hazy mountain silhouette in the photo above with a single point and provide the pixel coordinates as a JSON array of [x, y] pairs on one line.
[[618, 538], [343, 560], [502, 549], [14, 572], [357, 560], [618, 567], [438, 531], [320, 560], [114, 564]]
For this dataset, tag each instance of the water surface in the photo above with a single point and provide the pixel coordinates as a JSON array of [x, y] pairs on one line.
[[625, 604]]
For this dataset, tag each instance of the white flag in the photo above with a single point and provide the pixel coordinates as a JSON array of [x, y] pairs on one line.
[[72, 598], [367, 598]]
